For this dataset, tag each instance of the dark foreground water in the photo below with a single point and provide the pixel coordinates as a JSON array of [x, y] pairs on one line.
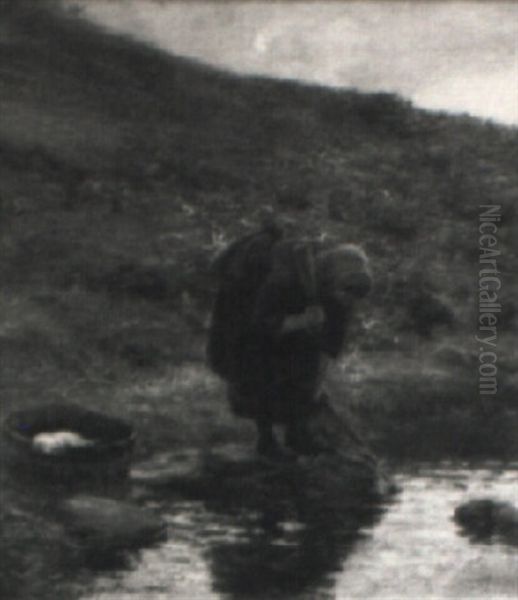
[[408, 548]]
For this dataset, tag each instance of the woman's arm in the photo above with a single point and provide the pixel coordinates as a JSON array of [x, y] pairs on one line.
[[276, 311], [311, 320]]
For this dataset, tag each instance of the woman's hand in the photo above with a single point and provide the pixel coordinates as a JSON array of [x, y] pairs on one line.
[[310, 320]]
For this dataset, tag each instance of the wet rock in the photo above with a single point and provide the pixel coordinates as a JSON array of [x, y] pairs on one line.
[[177, 471], [346, 474], [203, 474], [483, 518], [341, 471], [234, 475], [109, 524]]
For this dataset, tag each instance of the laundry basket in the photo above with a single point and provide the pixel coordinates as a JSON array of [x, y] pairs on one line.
[[67, 443]]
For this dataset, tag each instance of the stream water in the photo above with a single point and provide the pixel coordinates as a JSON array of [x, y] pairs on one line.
[[407, 548]]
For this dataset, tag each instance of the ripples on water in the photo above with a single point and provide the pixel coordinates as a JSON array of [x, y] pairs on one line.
[[412, 550]]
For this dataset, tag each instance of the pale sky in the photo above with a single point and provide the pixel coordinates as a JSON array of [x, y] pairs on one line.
[[450, 55]]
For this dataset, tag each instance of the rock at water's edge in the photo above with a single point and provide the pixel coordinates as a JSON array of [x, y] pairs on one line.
[[485, 517], [111, 524], [235, 473]]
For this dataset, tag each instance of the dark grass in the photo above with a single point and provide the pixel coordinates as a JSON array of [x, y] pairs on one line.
[[124, 171]]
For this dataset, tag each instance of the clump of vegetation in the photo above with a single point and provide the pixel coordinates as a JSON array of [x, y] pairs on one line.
[[124, 171]]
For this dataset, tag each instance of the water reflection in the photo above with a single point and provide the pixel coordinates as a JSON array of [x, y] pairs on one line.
[[307, 549], [416, 550], [288, 558], [407, 548]]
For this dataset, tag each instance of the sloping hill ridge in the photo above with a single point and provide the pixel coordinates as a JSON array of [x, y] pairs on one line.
[[125, 170]]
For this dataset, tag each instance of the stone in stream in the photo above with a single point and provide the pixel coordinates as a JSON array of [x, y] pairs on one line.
[[482, 518], [326, 481], [199, 473], [180, 470], [345, 472], [109, 524]]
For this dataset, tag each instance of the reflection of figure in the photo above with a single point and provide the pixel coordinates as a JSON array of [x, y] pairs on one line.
[[279, 561], [281, 312], [301, 518]]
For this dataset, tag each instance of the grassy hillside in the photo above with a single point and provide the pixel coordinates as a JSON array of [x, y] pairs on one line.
[[123, 172]]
